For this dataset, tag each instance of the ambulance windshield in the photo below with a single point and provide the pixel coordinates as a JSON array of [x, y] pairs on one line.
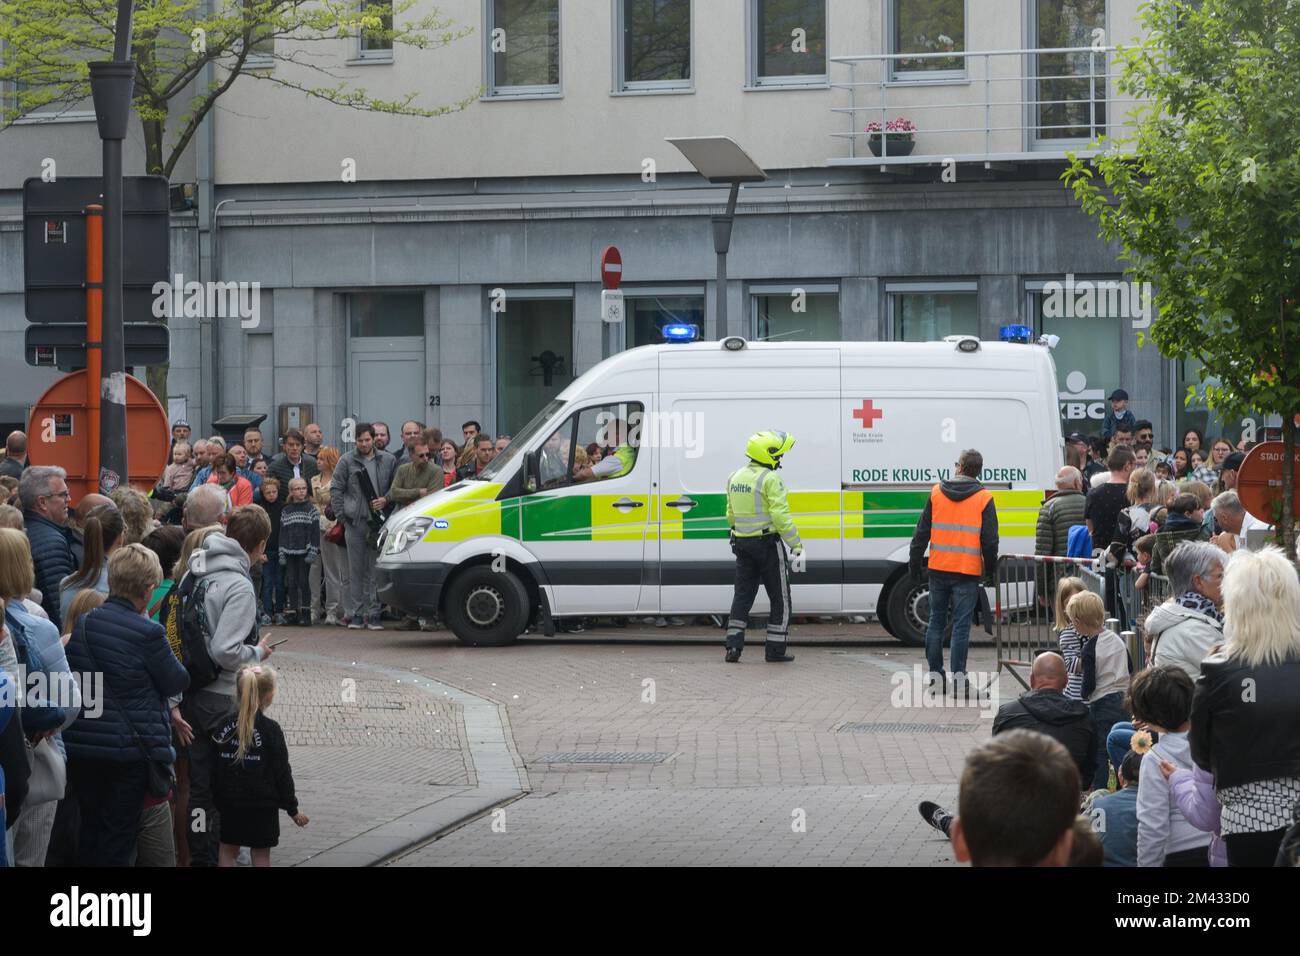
[[507, 456]]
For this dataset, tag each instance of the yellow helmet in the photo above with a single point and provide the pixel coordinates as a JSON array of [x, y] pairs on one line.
[[768, 447]]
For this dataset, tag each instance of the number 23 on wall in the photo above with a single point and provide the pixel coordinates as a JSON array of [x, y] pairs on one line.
[[435, 401]]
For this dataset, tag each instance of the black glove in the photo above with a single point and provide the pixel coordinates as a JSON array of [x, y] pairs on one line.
[[919, 573]]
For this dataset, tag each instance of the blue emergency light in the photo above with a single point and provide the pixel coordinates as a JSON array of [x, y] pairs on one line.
[[1022, 334], [681, 332]]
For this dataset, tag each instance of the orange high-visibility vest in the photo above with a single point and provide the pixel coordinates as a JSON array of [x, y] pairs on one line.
[[955, 532]]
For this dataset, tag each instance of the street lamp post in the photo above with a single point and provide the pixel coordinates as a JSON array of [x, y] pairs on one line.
[[719, 160]]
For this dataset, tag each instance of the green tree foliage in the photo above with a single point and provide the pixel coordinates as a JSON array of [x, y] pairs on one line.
[[1201, 189]]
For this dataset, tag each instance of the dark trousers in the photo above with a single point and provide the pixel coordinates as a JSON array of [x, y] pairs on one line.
[[297, 584], [205, 712], [1196, 856], [1106, 713], [110, 797], [760, 560], [62, 850], [1254, 849], [272, 585]]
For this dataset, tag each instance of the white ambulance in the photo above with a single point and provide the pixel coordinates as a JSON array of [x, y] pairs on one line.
[[876, 425]]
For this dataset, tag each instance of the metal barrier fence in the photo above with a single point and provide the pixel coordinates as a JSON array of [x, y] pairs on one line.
[[1024, 619]]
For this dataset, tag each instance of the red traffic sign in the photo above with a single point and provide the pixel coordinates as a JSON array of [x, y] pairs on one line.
[[1259, 482], [611, 267]]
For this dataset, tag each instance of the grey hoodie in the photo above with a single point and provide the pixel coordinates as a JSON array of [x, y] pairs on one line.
[[231, 608]]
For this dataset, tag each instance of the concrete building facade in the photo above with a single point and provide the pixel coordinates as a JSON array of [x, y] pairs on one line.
[[447, 268]]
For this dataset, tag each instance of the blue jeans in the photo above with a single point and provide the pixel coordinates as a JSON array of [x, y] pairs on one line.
[[1106, 712], [963, 592], [272, 584], [1119, 741]]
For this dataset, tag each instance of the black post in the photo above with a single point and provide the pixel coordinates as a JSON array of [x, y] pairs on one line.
[[721, 245], [111, 84]]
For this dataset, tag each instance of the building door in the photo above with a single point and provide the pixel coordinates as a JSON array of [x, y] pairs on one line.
[[386, 359]]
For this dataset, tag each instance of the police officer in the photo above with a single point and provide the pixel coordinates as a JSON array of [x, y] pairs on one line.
[[617, 463], [760, 521]]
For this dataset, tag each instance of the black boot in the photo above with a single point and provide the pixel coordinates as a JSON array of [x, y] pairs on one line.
[[304, 617], [733, 654], [775, 654]]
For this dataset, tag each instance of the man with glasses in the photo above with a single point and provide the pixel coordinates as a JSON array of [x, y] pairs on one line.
[[410, 435], [43, 491], [414, 480]]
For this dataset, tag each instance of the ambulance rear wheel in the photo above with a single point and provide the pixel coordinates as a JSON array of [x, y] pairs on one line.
[[486, 608], [908, 612]]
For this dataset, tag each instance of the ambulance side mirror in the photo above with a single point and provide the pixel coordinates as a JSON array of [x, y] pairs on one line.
[[531, 472]]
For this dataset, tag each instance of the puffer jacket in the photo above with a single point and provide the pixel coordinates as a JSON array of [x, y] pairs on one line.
[[52, 557], [1182, 637], [139, 674], [349, 502], [229, 607], [1058, 514], [1243, 737]]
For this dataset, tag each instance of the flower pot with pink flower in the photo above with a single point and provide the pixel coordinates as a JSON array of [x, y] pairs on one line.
[[899, 135]]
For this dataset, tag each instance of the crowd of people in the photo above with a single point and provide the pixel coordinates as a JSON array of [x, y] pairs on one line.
[[146, 739], [1192, 760]]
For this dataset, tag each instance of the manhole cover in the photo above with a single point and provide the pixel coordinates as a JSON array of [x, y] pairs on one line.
[[579, 756], [888, 728]]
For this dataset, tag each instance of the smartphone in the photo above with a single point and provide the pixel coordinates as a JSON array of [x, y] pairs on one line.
[[279, 642]]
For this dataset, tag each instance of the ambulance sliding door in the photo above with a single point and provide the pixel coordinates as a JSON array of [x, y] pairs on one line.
[[711, 403]]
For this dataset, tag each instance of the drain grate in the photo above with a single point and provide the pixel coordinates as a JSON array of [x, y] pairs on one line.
[[579, 756], [892, 728]]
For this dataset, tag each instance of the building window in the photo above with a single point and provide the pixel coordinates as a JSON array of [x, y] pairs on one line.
[[523, 43], [654, 49], [787, 42], [534, 356], [797, 314], [261, 47], [1069, 88], [923, 28], [646, 316], [1089, 356], [385, 315], [930, 315], [373, 42]]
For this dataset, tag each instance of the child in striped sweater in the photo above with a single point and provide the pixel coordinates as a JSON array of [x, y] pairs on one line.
[[1070, 643], [299, 550]]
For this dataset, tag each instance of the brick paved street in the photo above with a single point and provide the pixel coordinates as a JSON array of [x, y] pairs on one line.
[[739, 748]]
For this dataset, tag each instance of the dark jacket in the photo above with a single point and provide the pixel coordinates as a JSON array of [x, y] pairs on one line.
[[282, 469], [958, 489], [1176, 529], [1245, 740], [139, 673], [1055, 518], [13, 467], [263, 777], [14, 768], [52, 558], [1048, 711], [468, 470]]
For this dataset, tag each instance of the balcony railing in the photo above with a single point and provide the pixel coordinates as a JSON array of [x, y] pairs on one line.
[[991, 106]]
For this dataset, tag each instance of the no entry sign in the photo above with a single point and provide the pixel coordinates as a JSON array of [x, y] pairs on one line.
[[1259, 482], [611, 267]]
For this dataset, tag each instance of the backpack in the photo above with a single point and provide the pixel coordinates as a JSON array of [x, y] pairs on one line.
[[193, 631], [1079, 542]]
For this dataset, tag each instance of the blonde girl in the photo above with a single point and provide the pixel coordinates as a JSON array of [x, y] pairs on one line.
[[1071, 643], [253, 781]]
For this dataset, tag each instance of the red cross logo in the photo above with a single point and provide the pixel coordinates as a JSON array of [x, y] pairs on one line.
[[868, 414]]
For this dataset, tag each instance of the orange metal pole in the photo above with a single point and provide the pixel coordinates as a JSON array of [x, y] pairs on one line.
[[94, 336]]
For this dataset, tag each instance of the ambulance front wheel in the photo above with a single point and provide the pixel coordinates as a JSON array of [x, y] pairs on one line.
[[486, 608], [907, 610]]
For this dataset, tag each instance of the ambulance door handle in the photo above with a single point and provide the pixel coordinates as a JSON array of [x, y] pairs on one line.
[[628, 503], [684, 504]]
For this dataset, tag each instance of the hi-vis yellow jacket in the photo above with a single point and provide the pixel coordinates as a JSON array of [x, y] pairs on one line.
[[756, 504]]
